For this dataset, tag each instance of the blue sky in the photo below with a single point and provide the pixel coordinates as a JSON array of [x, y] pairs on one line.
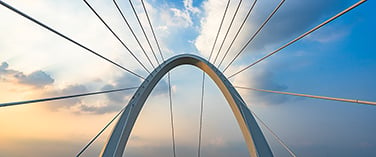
[[338, 60]]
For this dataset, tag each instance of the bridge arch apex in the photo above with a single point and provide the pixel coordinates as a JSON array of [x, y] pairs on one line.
[[256, 142]]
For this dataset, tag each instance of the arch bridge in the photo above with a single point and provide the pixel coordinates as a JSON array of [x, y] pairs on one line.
[[256, 142]]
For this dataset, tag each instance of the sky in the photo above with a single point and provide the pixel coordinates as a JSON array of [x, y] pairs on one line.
[[337, 60]]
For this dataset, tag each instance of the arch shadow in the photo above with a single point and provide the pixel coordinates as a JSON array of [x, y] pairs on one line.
[[256, 142]]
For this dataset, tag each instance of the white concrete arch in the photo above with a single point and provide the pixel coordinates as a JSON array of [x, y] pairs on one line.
[[256, 142]]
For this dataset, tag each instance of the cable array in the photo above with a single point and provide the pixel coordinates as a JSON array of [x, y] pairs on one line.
[[255, 34], [237, 33], [203, 77], [143, 31], [228, 30], [169, 84], [300, 37], [152, 30], [134, 35], [67, 38], [219, 29], [116, 36]]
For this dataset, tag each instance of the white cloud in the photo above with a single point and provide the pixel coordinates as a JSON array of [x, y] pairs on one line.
[[210, 24], [174, 17], [188, 4], [180, 18], [37, 79]]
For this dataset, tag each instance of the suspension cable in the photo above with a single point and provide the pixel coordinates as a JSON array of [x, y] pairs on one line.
[[67, 38], [152, 30], [143, 30], [237, 33], [116, 36], [275, 135], [63, 97], [284, 145], [201, 113], [134, 35], [171, 115], [99, 133], [255, 34], [219, 30], [228, 30], [301, 36], [311, 96], [203, 80]]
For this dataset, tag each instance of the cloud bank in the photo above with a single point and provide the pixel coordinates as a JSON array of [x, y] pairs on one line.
[[40, 80], [37, 79]]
